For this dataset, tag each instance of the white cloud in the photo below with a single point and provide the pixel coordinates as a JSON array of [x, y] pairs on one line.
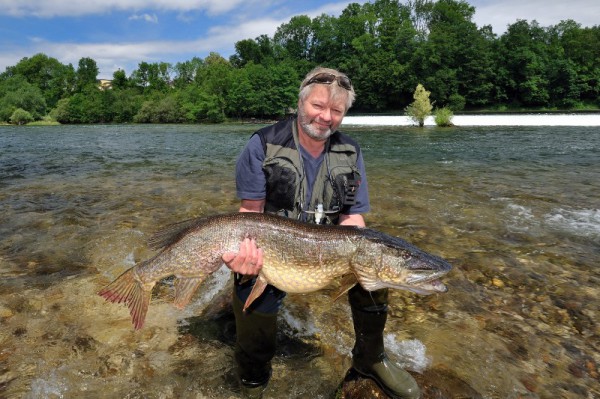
[[145, 17], [545, 12], [55, 8], [111, 56]]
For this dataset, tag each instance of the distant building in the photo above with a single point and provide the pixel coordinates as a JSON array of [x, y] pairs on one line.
[[105, 84]]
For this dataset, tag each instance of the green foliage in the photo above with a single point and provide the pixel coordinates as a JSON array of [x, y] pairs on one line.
[[86, 74], [421, 108], [387, 47], [164, 110], [45, 121], [264, 92], [53, 79], [20, 117], [443, 117], [16, 92], [456, 102], [119, 80]]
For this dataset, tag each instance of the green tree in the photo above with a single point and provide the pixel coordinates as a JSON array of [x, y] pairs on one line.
[[258, 51], [54, 79], [522, 60], [294, 41], [214, 79], [21, 117], [421, 108], [186, 72], [120, 81], [152, 76], [261, 91], [455, 59], [165, 109], [125, 104], [86, 107], [385, 52], [61, 112], [15, 93], [574, 64], [295, 37], [87, 73]]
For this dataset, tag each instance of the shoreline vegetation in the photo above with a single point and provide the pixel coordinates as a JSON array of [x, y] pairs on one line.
[[443, 120], [386, 47]]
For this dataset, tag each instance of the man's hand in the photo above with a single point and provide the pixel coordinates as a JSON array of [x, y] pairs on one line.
[[248, 260]]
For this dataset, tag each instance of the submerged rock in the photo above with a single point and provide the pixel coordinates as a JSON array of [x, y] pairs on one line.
[[436, 383]]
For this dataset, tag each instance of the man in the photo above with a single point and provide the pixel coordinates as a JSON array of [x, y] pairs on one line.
[[304, 168]]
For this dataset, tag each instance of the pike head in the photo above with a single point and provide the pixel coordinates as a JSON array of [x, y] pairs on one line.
[[384, 261]]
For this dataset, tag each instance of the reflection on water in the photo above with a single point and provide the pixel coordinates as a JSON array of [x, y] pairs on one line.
[[514, 209]]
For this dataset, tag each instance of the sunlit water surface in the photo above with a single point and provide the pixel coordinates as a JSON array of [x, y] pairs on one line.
[[514, 209]]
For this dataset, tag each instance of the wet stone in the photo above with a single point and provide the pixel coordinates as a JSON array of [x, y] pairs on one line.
[[435, 383], [116, 364], [356, 387], [497, 282], [5, 313]]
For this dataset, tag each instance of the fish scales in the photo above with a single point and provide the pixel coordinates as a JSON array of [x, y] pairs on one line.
[[298, 258]]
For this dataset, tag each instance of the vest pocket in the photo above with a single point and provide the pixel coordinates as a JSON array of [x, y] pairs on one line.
[[283, 181]]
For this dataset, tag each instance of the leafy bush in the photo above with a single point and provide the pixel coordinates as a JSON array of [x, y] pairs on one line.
[[456, 102], [21, 117], [443, 117]]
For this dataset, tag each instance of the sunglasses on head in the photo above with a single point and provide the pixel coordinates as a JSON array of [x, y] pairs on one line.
[[325, 78]]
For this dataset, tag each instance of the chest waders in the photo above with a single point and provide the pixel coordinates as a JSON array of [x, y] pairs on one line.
[[332, 193]]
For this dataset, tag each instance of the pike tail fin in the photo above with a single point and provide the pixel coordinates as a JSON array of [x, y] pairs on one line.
[[129, 290]]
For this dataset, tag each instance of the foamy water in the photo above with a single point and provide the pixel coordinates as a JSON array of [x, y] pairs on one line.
[[484, 120]]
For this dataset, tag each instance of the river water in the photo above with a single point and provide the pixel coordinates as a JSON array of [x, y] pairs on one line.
[[515, 209]]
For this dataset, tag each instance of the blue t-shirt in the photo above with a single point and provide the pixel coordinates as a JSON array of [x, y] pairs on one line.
[[251, 182]]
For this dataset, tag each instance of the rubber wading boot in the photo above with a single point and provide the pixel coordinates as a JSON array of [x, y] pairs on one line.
[[256, 335], [369, 314]]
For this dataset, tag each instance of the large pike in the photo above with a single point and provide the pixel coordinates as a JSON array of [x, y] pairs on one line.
[[298, 258]]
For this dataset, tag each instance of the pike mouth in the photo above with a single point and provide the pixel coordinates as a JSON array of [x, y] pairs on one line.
[[422, 287], [426, 286], [430, 287]]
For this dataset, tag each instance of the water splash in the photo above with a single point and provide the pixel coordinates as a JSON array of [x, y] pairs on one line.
[[582, 222], [409, 354], [50, 386]]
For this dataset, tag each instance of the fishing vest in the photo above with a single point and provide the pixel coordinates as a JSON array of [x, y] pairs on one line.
[[335, 184]]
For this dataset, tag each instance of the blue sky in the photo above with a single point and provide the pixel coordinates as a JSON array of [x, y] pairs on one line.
[[123, 33]]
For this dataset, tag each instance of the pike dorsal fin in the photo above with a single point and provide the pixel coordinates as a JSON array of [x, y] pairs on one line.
[[185, 287], [174, 232]]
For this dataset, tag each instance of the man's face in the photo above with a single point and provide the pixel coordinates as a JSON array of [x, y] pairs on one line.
[[319, 116]]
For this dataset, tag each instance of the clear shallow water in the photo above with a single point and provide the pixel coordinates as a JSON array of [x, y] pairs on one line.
[[515, 209]]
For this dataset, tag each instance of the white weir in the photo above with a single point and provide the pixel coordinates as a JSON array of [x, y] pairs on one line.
[[484, 120]]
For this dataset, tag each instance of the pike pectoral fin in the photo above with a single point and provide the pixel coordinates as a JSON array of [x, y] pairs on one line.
[[127, 288], [185, 287], [348, 281], [257, 290]]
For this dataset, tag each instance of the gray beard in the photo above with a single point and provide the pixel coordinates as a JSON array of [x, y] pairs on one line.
[[311, 131]]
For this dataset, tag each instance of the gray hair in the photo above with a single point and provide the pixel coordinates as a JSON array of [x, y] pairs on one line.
[[335, 91]]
